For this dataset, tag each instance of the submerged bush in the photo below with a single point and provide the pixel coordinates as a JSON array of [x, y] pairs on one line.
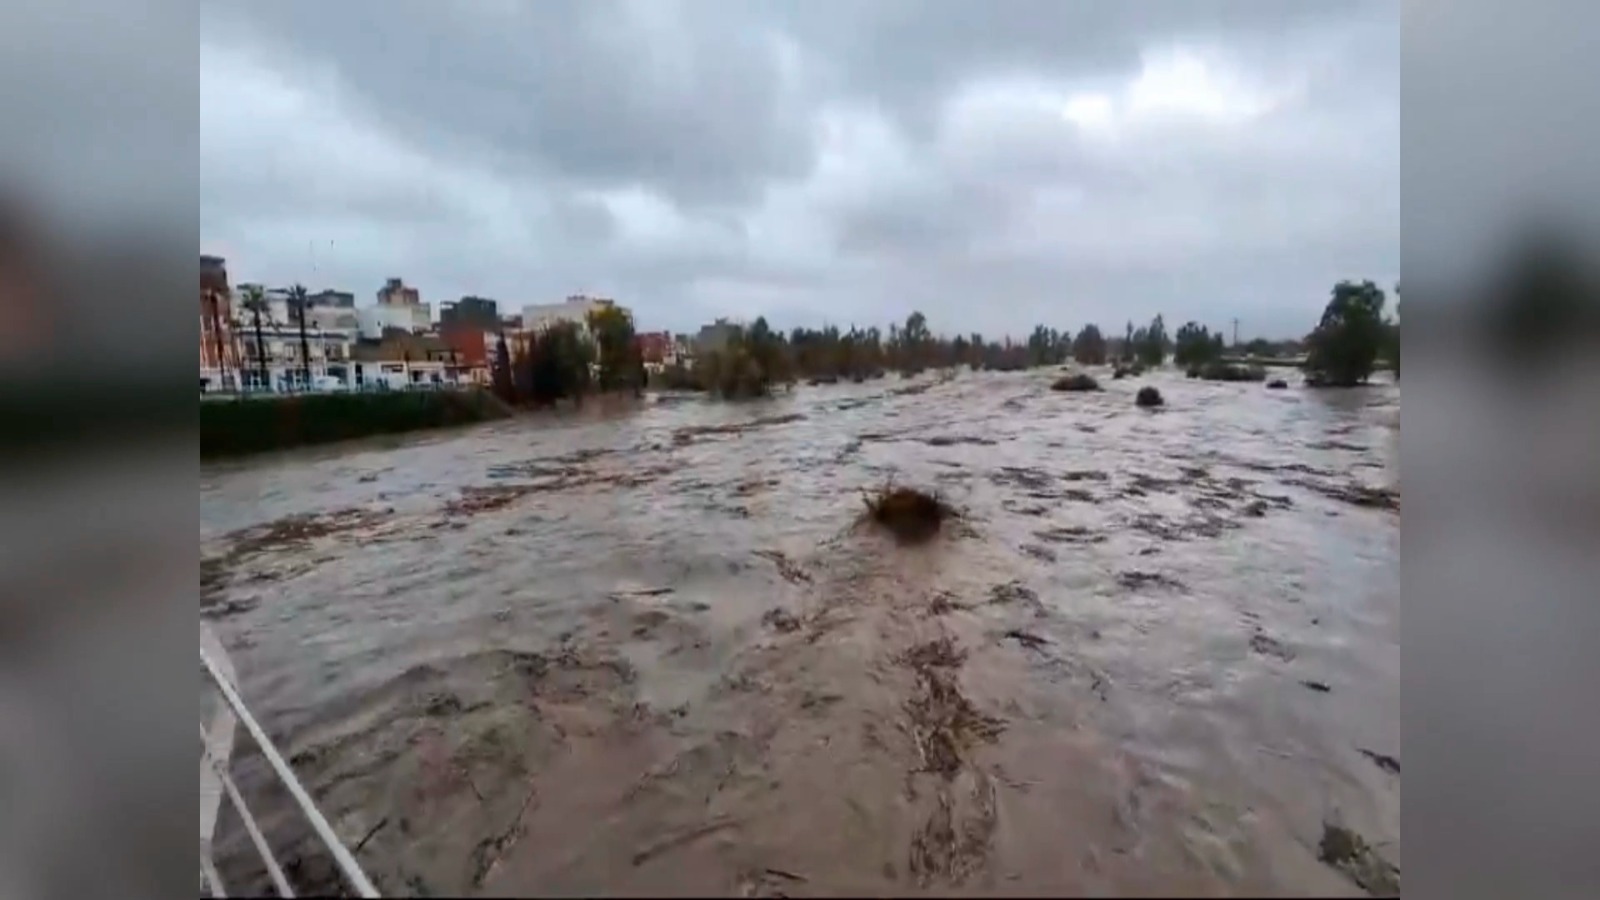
[[1079, 382], [909, 514], [1277, 384], [1149, 397], [1218, 371], [677, 377]]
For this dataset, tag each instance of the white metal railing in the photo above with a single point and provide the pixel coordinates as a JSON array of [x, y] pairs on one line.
[[216, 748]]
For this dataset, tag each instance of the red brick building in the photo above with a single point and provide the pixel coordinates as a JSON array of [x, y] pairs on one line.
[[219, 358], [655, 346], [469, 341]]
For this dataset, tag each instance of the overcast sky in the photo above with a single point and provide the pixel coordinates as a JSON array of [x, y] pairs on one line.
[[992, 164]]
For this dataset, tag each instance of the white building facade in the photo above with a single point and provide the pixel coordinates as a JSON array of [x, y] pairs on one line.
[[574, 309], [373, 321], [275, 362]]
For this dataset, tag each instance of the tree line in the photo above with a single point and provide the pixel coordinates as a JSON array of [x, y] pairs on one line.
[[756, 358], [562, 362]]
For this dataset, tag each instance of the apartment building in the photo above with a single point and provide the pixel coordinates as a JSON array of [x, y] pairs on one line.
[[715, 337], [402, 360], [479, 311], [574, 309], [401, 306]]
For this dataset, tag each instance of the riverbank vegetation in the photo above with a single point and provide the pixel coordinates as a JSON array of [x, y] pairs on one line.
[[566, 361], [755, 360], [262, 424]]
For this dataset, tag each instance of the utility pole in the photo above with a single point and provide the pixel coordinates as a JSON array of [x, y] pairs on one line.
[[1236, 333]]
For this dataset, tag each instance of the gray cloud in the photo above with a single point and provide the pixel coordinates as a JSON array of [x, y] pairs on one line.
[[993, 165]]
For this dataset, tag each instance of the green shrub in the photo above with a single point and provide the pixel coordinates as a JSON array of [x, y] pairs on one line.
[[260, 424]]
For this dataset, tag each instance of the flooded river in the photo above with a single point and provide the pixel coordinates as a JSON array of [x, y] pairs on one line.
[[654, 650]]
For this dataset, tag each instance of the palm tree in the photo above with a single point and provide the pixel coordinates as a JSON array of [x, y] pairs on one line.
[[297, 306], [256, 302]]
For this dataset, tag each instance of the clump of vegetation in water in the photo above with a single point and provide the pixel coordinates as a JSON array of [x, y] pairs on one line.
[[749, 364], [734, 374], [619, 362], [676, 377], [1277, 384], [909, 514], [1149, 397], [1079, 382], [543, 367], [1344, 348], [1346, 851], [1221, 371]]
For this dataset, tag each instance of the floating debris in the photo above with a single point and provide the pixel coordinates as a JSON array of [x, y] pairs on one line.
[[791, 571], [1348, 852], [1012, 592], [687, 435], [1136, 580], [1027, 639], [780, 620], [1382, 760], [944, 602], [1070, 534], [1269, 646]]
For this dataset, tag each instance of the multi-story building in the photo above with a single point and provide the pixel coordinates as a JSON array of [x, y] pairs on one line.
[[473, 346], [375, 321], [402, 359], [332, 298], [273, 360], [479, 311], [268, 342], [219, 363], [715, 336], [574, 309], [395, 292], [405, 306], [335, 318]]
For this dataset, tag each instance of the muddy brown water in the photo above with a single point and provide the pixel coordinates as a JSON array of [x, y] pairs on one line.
[[653, 650]]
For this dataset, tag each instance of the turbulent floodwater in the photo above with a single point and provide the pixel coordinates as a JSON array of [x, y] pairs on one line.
[[654, 650]]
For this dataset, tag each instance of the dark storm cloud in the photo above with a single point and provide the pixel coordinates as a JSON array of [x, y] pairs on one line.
[[814, 161], [692, 106], [909, 54]]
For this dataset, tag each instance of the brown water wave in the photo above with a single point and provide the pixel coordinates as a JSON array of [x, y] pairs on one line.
[[654, 649]]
